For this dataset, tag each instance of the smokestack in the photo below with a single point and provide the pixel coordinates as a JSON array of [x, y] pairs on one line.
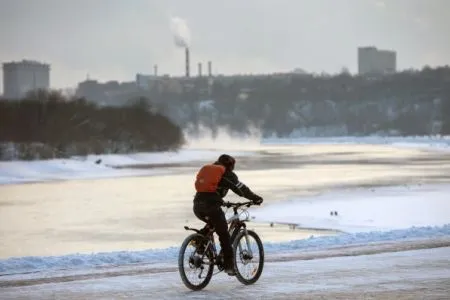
[[199, 69], [209, 68], [155, 68], [187, 62]]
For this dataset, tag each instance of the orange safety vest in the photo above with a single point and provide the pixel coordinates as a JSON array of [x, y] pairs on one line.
[[208, 178]]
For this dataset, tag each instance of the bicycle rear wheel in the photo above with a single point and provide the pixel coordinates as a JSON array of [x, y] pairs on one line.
[[196, 269], [248, 255]]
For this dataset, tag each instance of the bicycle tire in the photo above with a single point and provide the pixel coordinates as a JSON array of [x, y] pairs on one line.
[[181, 270], [261, 257]]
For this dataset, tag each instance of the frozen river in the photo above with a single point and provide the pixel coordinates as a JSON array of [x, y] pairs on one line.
[[141, 212]]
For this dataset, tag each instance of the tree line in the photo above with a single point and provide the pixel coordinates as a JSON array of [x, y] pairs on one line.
[[413, 102], [48, 124]]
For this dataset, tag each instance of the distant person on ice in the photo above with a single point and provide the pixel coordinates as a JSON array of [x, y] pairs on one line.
[[212, 184]]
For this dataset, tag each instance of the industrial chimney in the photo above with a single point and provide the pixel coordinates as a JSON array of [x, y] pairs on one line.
[[209, 68], [199, 69], [187, 62], [155, 68]]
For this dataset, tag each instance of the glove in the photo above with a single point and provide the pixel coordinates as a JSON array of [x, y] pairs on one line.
[[257, 200], [226, 204]]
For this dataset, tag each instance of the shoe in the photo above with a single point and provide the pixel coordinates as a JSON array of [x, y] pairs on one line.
[[230, 271]]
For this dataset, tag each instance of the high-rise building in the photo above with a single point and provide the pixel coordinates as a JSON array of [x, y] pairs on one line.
[[374, 61], [22, 77]]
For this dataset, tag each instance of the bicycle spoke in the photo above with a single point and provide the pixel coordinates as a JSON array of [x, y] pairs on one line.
[[195, 268], [247, 257]]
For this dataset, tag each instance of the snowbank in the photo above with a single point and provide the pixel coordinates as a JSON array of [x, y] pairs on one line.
[[364, 210], [169, 255]]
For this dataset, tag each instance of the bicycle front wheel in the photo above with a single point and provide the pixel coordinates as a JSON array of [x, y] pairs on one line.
[[249, 257], [196, 269]]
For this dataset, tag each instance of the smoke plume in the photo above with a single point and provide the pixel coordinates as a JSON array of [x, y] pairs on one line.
[[222, 139], [180, 31]]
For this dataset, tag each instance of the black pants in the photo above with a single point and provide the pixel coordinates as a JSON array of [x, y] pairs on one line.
[[214, 216]]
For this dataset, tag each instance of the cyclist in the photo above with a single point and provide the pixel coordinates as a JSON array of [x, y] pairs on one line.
[[212, 184]]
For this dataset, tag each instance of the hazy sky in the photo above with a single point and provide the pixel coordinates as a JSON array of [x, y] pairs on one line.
[[115, 39]]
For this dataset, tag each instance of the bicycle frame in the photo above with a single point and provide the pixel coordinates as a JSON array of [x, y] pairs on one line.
[[235, 225]]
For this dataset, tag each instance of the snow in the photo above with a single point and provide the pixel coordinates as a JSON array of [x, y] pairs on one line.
[[418, 274], [429, 142], [182, 156], [382, 214], [367, 216], [364, 210], [61, 169], [152, 256], [87, 168], [197, 150]]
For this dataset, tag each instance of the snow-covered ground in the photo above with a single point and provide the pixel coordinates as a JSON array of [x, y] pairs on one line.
[[169, 255], [365, 216], [88, 168], [196, 150], [61, 169], [182, 156], [376, 215], [430, 142], [417, 274], [364, 210]]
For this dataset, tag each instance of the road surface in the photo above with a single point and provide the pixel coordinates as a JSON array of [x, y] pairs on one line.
[[380, 271]]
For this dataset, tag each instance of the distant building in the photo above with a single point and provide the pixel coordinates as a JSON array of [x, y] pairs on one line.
[[299, 71], [374, 61], [145, 81], [111, 93], [22, 77]]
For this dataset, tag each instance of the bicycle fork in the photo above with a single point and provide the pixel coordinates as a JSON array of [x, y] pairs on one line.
[[247, 240]]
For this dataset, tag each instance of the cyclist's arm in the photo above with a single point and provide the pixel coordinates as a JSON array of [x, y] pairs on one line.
[[231, 181]]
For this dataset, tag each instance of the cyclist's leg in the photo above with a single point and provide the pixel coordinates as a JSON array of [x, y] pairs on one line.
[[202, 214], [219, 221]]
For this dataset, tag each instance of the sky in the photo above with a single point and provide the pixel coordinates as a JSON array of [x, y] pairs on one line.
[[115, 39]]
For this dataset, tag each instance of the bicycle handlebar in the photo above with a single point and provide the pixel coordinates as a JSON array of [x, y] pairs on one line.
[[238, 204]]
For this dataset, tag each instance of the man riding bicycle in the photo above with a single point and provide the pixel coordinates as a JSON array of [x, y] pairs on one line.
[[212, 184]]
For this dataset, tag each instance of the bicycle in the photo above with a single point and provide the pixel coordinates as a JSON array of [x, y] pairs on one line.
[[205, 255]]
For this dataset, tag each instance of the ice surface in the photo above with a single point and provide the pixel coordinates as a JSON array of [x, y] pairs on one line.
[[383, 215], [364, 210]]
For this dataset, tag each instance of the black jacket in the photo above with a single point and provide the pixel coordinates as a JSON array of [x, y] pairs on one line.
[[228, 182]]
